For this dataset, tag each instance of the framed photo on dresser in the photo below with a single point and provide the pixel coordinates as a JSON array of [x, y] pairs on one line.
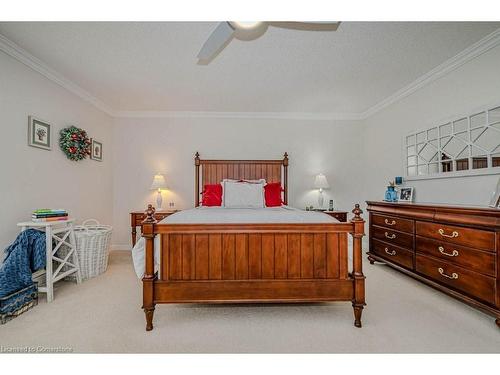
[[495, 198], [405, 194]]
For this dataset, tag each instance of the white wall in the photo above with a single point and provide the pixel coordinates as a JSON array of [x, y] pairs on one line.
[[473, 85], [146, 146], [358, 157], [33, 178]]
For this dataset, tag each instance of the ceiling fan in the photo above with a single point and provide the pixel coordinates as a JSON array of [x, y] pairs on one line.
[[227, 30]]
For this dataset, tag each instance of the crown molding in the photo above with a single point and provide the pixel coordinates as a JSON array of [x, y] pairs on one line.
[[239, 115], [23, 56], [483, 45]]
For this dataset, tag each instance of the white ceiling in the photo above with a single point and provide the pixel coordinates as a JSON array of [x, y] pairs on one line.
[[153, 66]]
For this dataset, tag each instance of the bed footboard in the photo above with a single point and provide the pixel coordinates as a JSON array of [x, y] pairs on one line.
[[253, 263]]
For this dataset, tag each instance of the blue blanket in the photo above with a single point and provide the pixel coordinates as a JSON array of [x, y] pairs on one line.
[[24, 256]]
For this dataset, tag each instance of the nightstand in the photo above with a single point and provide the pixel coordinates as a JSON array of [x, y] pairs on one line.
[[137, 217], [339, 215]]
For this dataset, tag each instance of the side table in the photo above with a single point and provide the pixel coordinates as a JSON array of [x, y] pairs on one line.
[[136, 218], [59, 264], [339, 215]]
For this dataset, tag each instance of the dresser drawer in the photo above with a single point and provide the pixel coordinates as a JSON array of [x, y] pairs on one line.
[[469, 282], [472, 259], [393, 253], [392, 237], [475, 238], [139, 218], [396, 223]]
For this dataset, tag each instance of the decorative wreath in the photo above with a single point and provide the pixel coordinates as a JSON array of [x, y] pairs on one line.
[[74, 143]]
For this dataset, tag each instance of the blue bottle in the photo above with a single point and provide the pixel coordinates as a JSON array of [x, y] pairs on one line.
[[390, 194]]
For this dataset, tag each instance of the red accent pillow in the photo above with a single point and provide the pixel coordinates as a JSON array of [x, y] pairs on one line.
[[272, 194], [212, 195]]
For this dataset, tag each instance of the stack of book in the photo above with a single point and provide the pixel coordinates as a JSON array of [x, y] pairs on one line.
[[47, 214]]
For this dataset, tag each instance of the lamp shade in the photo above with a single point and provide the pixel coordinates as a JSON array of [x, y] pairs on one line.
[[158, 182], [320, 182]]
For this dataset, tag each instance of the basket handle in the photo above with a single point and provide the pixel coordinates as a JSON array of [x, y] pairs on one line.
[[81, 227], [90, 221]]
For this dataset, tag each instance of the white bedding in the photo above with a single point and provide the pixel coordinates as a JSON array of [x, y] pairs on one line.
[[221, 215]]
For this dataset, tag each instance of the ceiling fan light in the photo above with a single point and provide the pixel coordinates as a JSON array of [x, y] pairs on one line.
[[246, 25]]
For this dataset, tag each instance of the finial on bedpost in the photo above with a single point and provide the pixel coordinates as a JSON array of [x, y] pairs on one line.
[[357, 213], [197, 158], [285, 159], [150, 215]]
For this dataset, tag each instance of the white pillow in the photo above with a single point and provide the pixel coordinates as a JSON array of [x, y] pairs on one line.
[[243, 194]]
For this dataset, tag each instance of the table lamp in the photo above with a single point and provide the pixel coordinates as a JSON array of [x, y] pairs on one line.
[[320, 182], [158, 184]]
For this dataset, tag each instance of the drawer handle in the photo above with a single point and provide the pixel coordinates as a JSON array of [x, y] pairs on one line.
[[454, 253], [393, 222], [452, 235], [453, 276], [391, 253], [390, 236]]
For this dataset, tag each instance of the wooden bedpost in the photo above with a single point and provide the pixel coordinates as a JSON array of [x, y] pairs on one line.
[[285, 176], [148, 232], [358, 301], [197, 179]]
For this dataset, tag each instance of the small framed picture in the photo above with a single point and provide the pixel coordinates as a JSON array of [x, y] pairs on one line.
[[495, 198], [38, 133], [405, 194], [96, 152]]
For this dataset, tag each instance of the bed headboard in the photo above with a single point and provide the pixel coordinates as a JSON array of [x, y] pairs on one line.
[[214, 171]]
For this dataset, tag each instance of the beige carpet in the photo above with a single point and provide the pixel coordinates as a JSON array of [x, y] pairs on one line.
[[103, 315]]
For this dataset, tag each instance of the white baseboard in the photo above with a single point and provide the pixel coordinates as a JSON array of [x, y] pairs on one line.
[[120, 247]]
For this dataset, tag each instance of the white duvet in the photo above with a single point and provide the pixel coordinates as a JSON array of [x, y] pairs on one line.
[[222, 215]]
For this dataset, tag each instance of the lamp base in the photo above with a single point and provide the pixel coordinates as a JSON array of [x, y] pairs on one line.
[[159, 200], [321, 199]]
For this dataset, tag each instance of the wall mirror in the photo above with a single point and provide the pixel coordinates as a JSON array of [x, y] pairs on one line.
[[469, 145]]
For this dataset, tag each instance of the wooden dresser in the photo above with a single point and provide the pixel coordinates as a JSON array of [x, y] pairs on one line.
[[451, 248]]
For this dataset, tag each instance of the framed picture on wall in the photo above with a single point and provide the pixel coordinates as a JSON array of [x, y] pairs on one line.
[[38, 133], [405, 194], [96, 151]]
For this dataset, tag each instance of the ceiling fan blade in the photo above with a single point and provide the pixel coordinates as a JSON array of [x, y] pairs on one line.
[[307, 26], [216, 42]]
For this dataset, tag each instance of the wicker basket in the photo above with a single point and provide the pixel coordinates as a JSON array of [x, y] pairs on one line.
[[92, 247]]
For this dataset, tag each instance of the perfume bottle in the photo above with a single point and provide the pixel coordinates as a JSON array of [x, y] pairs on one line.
[[330, 205], [391, 195]]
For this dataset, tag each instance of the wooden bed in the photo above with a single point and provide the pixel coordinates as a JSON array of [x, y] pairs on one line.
[[251, 263]]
